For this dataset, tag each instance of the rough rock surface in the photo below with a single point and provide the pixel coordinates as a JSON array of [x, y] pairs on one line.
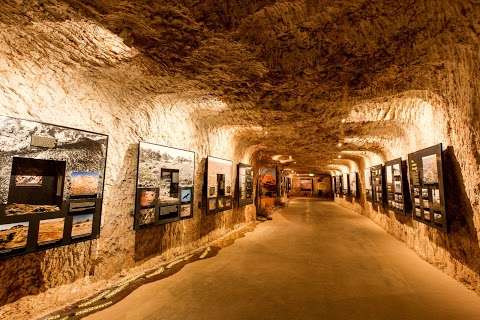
[[235, 79]]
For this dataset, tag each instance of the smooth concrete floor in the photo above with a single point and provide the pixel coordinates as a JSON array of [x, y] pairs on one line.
[[315, 260]]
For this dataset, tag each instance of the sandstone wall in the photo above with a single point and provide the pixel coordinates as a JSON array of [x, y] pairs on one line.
[[421, 122]]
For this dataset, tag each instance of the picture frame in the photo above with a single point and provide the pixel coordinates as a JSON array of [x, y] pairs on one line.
[[397, 193], [54, 201], [377, 174], [163, 173], [426, 181], [218, 176], [245, 184]]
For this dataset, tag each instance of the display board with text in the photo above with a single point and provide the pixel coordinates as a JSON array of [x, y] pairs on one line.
[[245, 184], [427, 186], [397, 194], [165, 185], [377, 178], [218, 184], [51, 185]]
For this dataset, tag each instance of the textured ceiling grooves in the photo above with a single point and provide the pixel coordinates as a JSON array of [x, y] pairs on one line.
[[287, 72]]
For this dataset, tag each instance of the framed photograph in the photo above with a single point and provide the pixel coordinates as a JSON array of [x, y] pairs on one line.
[[429, 163], [218, 183], [48, 174], [212, 204], [245, 184], [185, 210], [50, 230], [28, 181], [228, 202], [148, 197], [146, 216], [186, 195], [425, 193], [84, 184], [13, 236], [426, 214], [170, 172], [36, 186], [82, 225], [429, 168], [82, 206], [168, 210], [377, 174]]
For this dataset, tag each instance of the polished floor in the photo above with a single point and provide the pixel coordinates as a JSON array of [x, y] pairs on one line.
[[315, 260]]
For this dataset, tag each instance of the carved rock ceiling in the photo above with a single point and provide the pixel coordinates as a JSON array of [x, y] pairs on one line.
[[288, 71]]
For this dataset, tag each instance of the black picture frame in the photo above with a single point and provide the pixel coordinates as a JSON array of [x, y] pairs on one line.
[[217, 203], [184, 203], [397, 190], [426, 176], [353, 183], [172, 210], [346, 184], [338, 186], [249, 199], [64, 213], [377, 174]]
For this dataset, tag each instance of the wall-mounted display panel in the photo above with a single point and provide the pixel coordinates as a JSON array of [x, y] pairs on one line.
[[368, 184], [353, 180], [378, 190], [218, 185], [338, 185], [245, 184], [427, 186], [346, 184], [397, 194], [165, 184], [49, 176]]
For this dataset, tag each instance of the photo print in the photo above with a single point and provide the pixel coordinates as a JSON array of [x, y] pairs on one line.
[[148, 197], [245, 184], [36, 186], [436, 199], [28, 181], [168, 210], [82, 206], [50, 230], [186, 195], [425, 193], [168, 170], [212, 204], [82, 225], [418, 212], [146, 216], [426, 214], [185, 210], [219, 183], [13, 236], [84, 184], [430, 170], [388, 170]]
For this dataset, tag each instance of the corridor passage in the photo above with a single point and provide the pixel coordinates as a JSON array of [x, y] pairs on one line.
[[315, 260]]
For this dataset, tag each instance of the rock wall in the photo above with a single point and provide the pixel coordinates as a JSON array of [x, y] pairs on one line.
[[422, 122]]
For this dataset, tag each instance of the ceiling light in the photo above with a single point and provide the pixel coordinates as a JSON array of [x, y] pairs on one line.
[[339, 144], [339, 156]]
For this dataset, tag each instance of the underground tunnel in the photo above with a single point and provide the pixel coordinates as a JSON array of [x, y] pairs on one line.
[[267, 159]]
